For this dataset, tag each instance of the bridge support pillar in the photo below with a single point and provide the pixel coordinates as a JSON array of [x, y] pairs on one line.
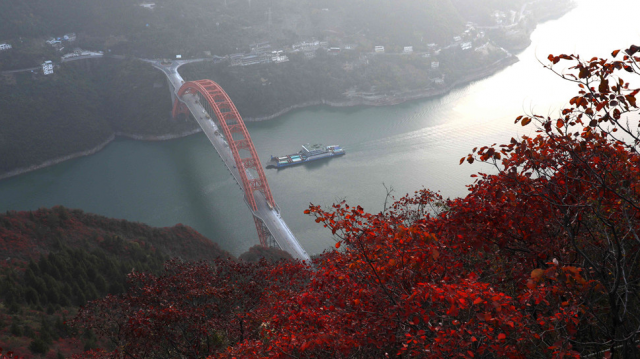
[[266, 239]]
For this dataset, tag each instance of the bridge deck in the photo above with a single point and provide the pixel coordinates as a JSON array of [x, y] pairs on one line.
[[270, 216]]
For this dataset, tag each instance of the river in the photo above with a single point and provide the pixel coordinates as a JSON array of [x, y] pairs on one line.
[[406, 147]]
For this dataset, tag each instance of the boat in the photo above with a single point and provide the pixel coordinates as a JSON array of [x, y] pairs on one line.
[[307, 154]]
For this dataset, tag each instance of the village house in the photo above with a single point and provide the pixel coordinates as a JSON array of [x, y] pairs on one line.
[[279, 56], [47, 68]]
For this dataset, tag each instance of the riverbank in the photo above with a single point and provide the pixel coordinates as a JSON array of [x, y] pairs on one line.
[[96, 149], [395, 99], [381, 100], [385, 100], [55, 161]]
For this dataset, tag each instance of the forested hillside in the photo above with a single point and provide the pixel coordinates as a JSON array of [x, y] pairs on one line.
[[265, 89], [55, 260], [81, 105], [223, 26], [85, 102]]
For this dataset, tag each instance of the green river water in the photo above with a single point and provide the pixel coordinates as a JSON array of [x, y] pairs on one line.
[[407, 147]]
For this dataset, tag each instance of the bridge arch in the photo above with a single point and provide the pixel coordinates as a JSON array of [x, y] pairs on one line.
[[216, 100]]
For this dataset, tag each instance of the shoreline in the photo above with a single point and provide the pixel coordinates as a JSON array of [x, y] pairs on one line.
[[390, 100], [384, 100], [94, 150], [170, 136], [387, 100], [55, 161]]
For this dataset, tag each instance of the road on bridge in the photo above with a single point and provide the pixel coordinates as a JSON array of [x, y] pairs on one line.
[[270, 216]]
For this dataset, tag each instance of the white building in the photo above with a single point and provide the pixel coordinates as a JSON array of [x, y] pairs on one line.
[[279, 56], [435, 64], [379, 49], [47, 68], [5, 47], [466, 45], [69, 37], [148, 5], [408, 49], [306, 46]]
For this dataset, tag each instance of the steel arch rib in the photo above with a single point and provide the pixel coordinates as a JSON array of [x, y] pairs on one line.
[[231, 122]]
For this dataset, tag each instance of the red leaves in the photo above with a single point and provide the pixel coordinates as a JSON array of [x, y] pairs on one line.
[[584, 73], [8, 355], [187, 307], [556, 59], [632, 50], [631, 99], [500, 272], [604, 86]]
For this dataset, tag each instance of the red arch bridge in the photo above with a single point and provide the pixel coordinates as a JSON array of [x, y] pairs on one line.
[[218, 117]]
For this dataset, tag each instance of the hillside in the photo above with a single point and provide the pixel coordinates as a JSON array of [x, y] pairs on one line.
[[26, 235], [224, 26], [55, 260], [80, 106], [85, 103], [539, 259]]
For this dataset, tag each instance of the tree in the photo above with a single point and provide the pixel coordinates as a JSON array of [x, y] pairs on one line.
[[395, 289], [551, 239], [192, 310], [568, 198], [540, 259]]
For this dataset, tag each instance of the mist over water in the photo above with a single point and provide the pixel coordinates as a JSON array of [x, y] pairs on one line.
[[407, 147]]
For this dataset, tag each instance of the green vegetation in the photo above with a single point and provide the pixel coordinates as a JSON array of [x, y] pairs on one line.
[[55, 260], [84, 103], [258, 252], [80, 106], [25, 236], [263, 90], [223, 26], [45, 118]]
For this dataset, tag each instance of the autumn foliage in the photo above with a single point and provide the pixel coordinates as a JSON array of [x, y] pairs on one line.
[[539, 260]]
